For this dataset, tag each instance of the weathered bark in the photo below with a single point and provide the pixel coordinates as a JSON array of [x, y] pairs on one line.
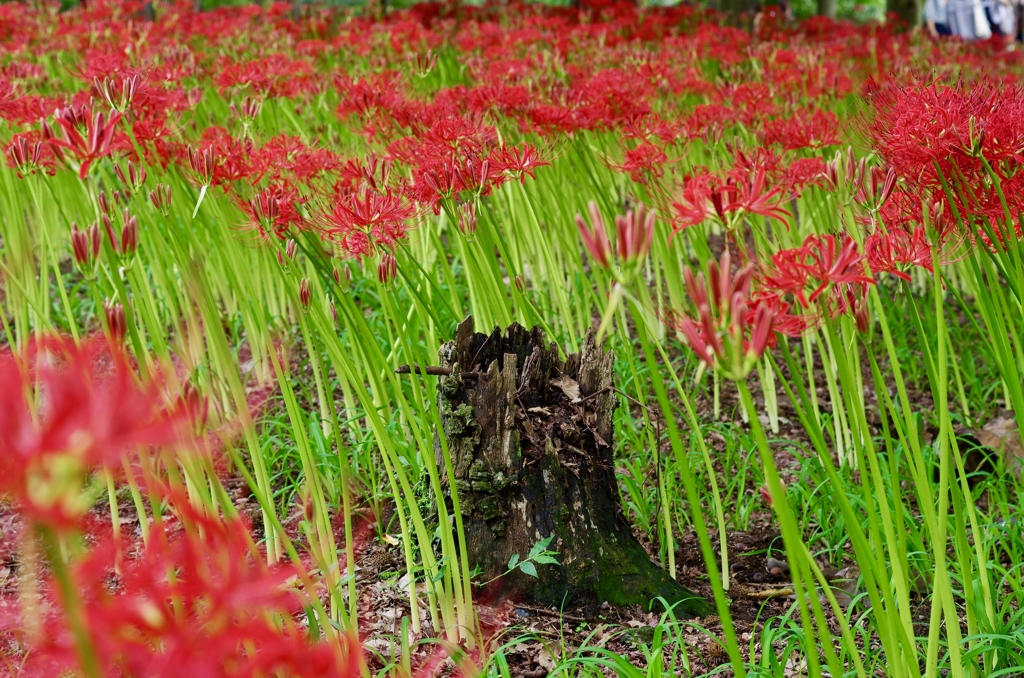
[[827, 8], [531, 462]]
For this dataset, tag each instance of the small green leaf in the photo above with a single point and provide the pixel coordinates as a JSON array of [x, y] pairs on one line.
[[540, 546], [513, 561], [528, 568], [545, 560]]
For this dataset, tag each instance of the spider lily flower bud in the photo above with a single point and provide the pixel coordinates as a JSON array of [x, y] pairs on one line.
[[161, 198], [85, 245], [635, 232], [129, 234], [305, 295], [766, 495], [467, 218], [116, 320], [425, 63], [118, 95], [202, 164], [109, 228], [336, 275], [25, 157], [334, 310], [134, 180], [387, 269], [724, 332], [104, 203], [290, 248], [596, 239], [247, 110]]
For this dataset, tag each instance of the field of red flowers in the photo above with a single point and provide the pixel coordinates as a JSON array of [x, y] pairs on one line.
[[226, 235]]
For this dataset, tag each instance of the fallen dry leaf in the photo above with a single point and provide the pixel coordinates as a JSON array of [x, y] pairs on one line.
[[1002, 435], [569, 387]]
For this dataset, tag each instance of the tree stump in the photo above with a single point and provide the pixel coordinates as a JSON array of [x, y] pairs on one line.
[[530, 437]]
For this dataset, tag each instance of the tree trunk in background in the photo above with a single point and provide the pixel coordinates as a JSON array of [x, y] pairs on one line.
[[530, 437], [908, 12], [827, 8], [737, 8]]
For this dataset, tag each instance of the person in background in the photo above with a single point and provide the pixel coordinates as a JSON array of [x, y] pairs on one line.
[[960, 18], [936, 17], [1002, 16]]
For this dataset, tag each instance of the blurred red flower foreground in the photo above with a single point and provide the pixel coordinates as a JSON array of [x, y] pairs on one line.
[[195, 598]]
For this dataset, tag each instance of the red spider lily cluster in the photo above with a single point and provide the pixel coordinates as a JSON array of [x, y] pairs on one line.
[[196, 597], [435, 110]]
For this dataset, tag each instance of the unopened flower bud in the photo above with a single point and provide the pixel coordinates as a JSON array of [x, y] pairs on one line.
[[130, 235], [116, 321], [334, 310], [161, 197], [80, 246], [387, 269], [336, 275], [467, 218], [305, 295], [104, 203], [290, 248], [596, 238], [109, 228]]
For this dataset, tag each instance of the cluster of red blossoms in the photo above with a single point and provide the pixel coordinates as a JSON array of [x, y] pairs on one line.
[[193, 598], [548, 73]]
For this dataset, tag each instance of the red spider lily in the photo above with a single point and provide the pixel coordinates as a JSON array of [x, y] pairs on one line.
[[819, 262], [889, 252], [221, 614], [695, 204], [643, 163], [719, 331], [364, 222], [749, 196], [819, 129], [89, 416], [520, 161], [87, 149]]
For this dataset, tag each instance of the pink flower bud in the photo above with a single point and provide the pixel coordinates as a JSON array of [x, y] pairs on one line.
[[116, 321], [387, 269], [80, 246], [161, 197], [305, 295], [596, 239], [130, 235]]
